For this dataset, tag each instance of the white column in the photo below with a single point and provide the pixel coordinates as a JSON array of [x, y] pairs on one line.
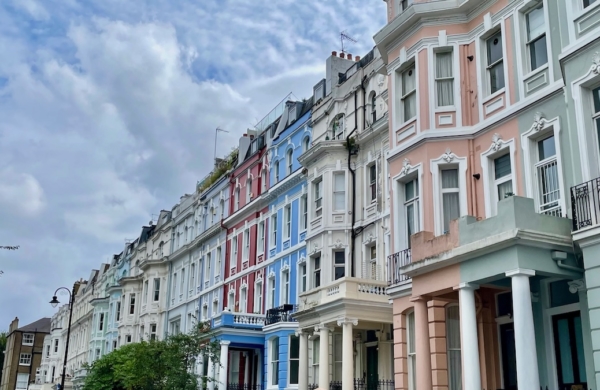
[[468, 337], [347, 352], [211, 374], [527, 364], [224, 361], [323, 356], [303, 363]]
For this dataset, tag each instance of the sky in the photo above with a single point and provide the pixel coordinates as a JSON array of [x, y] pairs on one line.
[[108, 110]]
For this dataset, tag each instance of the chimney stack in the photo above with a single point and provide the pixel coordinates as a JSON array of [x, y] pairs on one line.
[[349, 56], [334, 53], [357, 58]]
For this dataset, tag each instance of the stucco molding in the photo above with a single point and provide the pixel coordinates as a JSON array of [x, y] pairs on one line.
[[406, 167], [539, 120], [345, 320], [596, 63], [577, 285]]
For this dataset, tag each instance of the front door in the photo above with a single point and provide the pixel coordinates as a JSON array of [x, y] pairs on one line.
[[568, 350], [509, 357], [372, 368]]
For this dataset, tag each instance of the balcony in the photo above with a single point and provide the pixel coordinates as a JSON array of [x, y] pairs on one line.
[[585, 204], [239, 320], [281, 314], [395, 262], [371, 291]]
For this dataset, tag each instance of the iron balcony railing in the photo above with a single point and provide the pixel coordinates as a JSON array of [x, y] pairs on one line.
[[243, 386], [395, 262], [281, 314], [364, 384], [585, 204]]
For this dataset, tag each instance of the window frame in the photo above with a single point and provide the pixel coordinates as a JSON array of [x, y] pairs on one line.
[[303, 277], [25, 358], [287, 218], [450, 190], [271, 292], [411, 355], [28, 336], [303, 212], [529, 42], [317, 274], [290, 161], [273, 226], [285, 286], [248, 189], [258, 297], [449, 349], [405, 95], [452, 77], [274, 362], [489, 64], [100, 322], [337, 192], [497, 149], [261, 237], [372, 180], [243, 299], [246, 251], [293, 360], [337, 265], [317, 187], [19, 382], [131, 304], [447, 161]]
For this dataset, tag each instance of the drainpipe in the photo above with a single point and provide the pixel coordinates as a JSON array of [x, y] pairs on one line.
[[560, 258], [353, 174]]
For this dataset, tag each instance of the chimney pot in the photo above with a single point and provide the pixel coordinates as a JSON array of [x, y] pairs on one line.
[[349, 56], [245, 135], [357, 58], [334, 53]]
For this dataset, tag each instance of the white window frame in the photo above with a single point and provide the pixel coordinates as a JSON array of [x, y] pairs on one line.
[[22, 381], [236, 198], [539, 130], [25, 359], [316, 356], [371, 261], [145, 292], [153, 332], [276, 172], [217, 262], [182, 285], [287, 218], [372, 186], [101, 322], [246, 252], [243, 298], [528, 42], [303, 212], [448, 160], [317, 192], [584, 107], [303, 285], [231, 301], [208, 261], [258, 296], [215, 308], [488, 66], [248, 189], [444, 50], [285, 296], [273, 235], [263, 179], [343, 192], [234, 249], [498, 148], [407, 174], [192, 281], [335, 265], [271, 292], [315, 270], [28, 339], [205, 311], [274, 364], [290, 161], [292, 360], [305, 144], [448, 349], [261, 237], [404, 95], [131, 304]]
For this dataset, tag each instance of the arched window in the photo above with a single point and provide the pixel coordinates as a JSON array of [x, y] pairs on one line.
[[373, 107], [453, 347], [290, 161], [305, 144]]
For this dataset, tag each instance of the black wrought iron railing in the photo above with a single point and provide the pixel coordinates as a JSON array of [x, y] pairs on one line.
[[364, 384], [243, 386], [280, 314], [585, 204], [395, 262]]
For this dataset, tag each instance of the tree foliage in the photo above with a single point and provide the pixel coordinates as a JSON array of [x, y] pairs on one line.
[[3, 340], [169, 364]]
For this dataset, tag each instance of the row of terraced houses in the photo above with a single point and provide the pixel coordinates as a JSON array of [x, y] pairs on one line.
[[451, 242]]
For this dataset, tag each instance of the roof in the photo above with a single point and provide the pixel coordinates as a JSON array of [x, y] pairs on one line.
[[42, 325]]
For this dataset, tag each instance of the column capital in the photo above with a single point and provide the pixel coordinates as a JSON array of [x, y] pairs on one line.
[[520, 272], [345, 320], [576, 285], [321, 327], [467, 286], [418, 298], [301, 332], [224, 342]]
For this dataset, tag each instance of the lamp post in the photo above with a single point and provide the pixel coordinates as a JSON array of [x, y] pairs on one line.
[[54, 302]]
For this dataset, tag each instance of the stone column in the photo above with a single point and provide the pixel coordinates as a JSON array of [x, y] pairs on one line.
[[323, 356], [224, 361], [211, 374], [468, 336], [303, 363], [423, 378], [347, 352], [527, 364]]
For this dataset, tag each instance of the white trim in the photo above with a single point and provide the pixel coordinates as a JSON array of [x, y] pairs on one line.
[[456, 74], [399, 219], [448, 159], [590, 166], [396, 105], [528, 142], [497, 149]]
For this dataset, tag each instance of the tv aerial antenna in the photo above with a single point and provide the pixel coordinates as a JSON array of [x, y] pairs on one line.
[[344, 36]]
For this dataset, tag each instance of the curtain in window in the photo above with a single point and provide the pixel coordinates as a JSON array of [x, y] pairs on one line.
[[453, 339], [450, 200], [444, 79], [339, 188]]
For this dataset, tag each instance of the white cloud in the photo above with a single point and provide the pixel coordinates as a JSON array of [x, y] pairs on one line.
[[109, 109]]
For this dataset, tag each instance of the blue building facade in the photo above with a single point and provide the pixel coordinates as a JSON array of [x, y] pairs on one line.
[[286, 261]]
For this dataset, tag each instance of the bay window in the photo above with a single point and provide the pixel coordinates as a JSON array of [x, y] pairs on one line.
[[409, 93]]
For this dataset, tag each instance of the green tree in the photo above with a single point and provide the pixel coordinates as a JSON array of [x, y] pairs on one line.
[[154, 365], [3, 340]]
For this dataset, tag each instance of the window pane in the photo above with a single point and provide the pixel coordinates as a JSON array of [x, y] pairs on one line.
[[596, 95], [546, 148], [494, 48], [294, 371], [560, 295], [564, 342], [410, 219], [535, 23], [451, 209], [410, 107], [339, 258], [443, 64], [450, 178], [504, 189], [579, 348], [410, 319], [339, 182], [409, 190], [538, 53], [294, 347], [445, 92], [502, 166], [408, 81], [497, 77]]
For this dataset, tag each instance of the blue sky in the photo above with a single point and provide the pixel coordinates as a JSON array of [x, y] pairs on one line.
[[108, 110]]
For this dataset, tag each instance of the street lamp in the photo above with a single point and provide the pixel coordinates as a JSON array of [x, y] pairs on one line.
[[54, 302]]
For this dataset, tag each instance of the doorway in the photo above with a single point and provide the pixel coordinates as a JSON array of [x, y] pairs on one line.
[[509, 356], [568, 350], [372, 368]]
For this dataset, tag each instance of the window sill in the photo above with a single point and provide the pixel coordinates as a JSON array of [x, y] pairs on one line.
[[535, 72], [407, 123], [493, 96], [586, 10], [445, 109]]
